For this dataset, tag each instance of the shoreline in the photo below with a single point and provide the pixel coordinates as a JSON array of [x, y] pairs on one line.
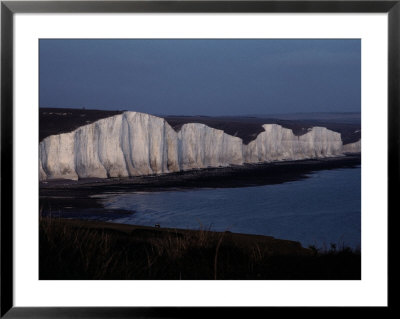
[[284, 168], [83, 199]]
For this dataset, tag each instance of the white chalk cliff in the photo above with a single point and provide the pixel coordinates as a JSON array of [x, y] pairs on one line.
[[352, 147], [133, 144], [279, 143]]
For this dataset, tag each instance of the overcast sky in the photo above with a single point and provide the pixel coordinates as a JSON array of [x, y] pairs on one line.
[[206, 77]]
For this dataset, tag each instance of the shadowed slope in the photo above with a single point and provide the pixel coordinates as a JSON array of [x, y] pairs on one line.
[[80, 250]]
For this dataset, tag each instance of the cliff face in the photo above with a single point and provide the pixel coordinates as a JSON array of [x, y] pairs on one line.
[[352, 147], [133, 144], [278, 143]]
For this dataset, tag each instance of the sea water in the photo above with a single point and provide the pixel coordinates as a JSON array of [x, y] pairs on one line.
[[321, 210]]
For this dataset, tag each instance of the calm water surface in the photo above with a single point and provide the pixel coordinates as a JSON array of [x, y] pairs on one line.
[[322, 209]]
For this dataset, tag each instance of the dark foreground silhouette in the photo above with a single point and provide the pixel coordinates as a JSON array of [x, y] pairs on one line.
[[79, 250]]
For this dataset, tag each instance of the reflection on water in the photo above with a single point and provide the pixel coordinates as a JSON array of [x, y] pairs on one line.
[[320, 210]]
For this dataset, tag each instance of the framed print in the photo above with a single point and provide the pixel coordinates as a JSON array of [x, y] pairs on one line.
[[163, 155]]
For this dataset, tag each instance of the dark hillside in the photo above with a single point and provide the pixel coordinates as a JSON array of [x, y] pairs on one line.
[[57, 120]]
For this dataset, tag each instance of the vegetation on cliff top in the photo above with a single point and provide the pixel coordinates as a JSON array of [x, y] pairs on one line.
[[72, 249]]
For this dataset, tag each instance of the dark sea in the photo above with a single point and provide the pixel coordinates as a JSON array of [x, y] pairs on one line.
[[321, 210]]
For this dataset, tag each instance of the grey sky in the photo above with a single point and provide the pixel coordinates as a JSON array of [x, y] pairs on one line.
[[208, 77]]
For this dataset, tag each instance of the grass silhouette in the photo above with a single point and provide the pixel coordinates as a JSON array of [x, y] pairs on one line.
[[83, 250]]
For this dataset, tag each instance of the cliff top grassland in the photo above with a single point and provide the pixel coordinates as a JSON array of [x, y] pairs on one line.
[[81, 250]]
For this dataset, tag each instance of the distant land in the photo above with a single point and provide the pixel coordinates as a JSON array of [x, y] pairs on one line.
[[338, 117]]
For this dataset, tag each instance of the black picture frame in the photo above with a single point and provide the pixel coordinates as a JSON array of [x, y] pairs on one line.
[[9, 8]]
